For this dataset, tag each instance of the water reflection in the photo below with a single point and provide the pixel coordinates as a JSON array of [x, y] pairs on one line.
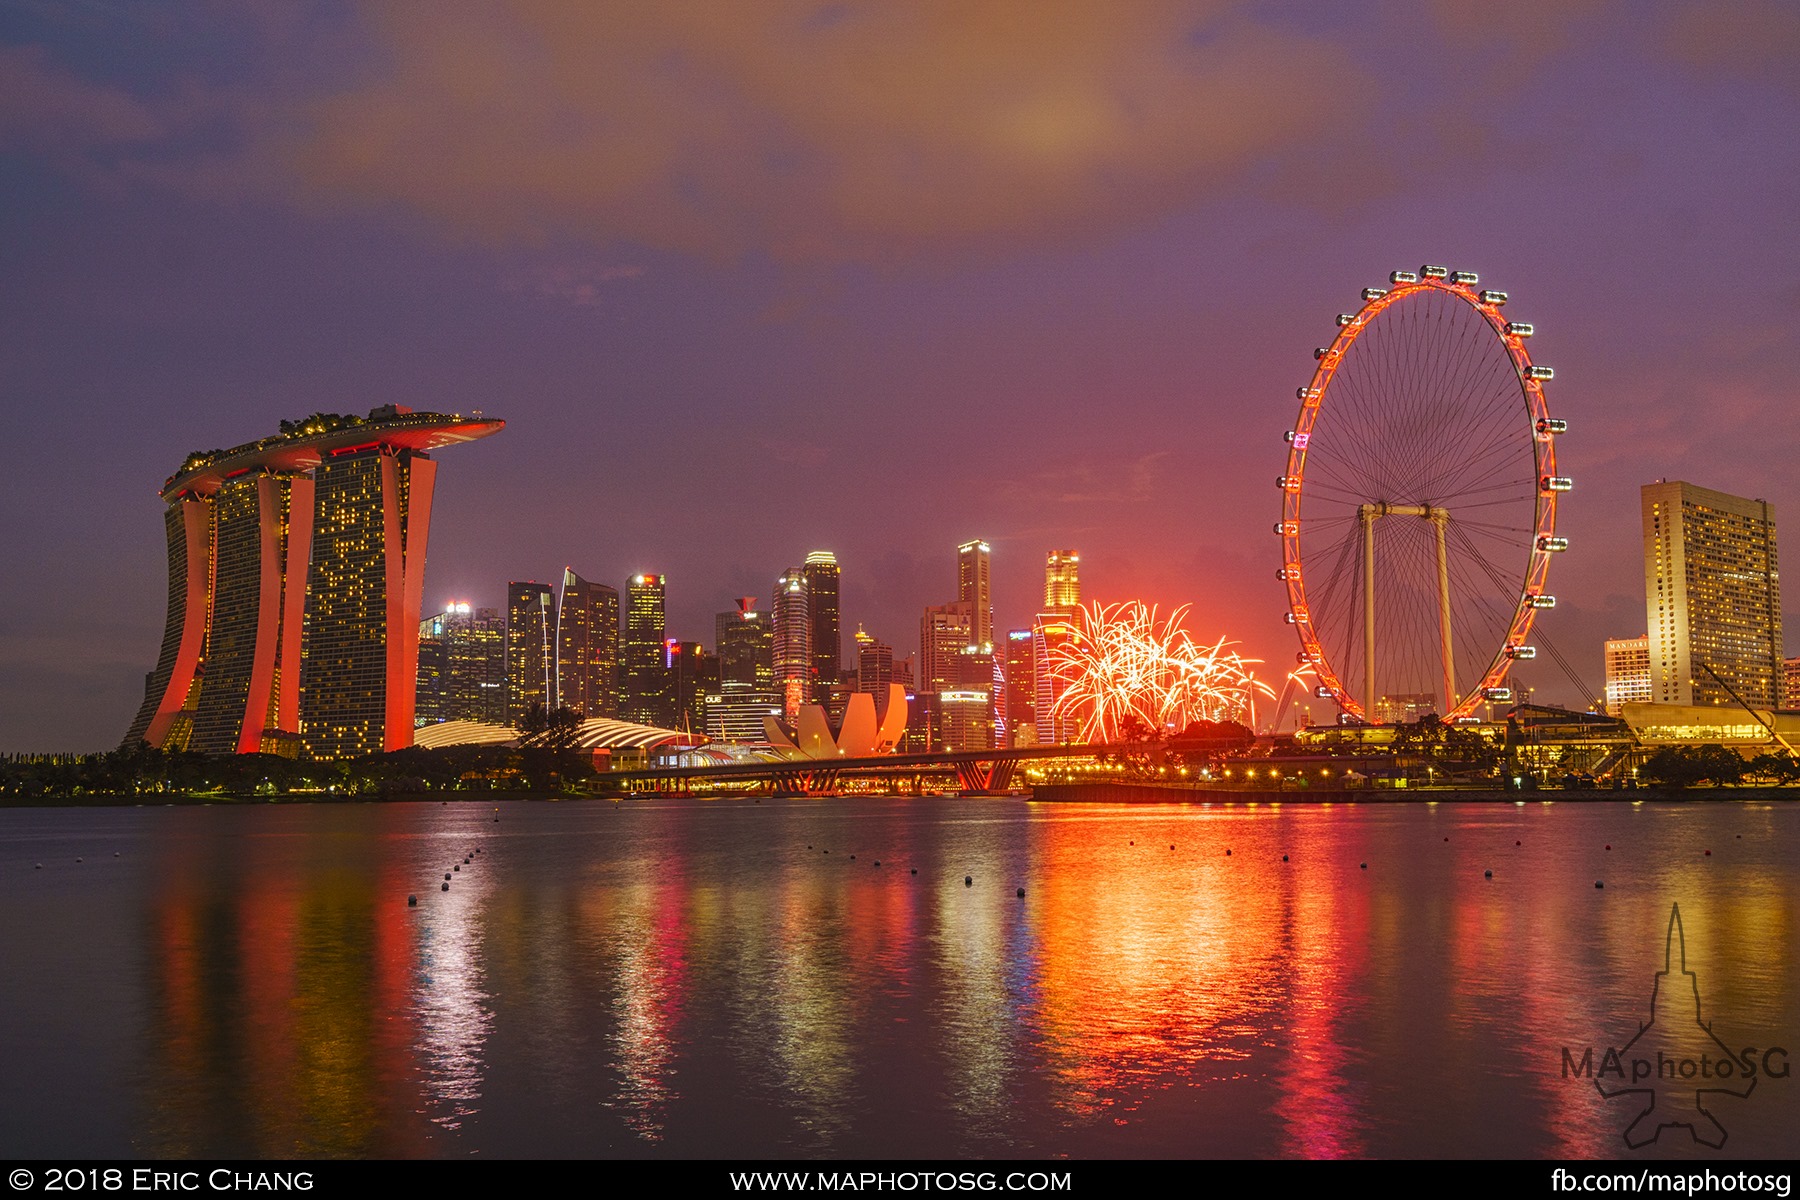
[[690, 978]]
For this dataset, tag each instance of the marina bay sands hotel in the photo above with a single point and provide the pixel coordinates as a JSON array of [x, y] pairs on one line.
[[296, 573]]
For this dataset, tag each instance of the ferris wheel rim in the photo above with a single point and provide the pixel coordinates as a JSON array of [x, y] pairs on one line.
[[1541, 429]]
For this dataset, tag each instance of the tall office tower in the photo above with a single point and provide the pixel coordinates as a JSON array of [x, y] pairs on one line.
[[462, 666], [974, 703], [296, 567], [530, 649], [821, 571], [1062, 581], [587, 647], [693, 675], [1627, 673], [1021, 688], [476, 665], [972, 589], [645, 695], [746, 653], [1056, 624], [1048, 636], [945, 631], [429, 698], [1712, 596], [1790, 688], [793, 641]]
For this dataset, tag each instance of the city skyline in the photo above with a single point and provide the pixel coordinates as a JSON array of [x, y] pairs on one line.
[[1067, 327]]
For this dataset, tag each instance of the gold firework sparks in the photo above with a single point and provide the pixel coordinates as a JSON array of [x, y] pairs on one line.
[[1124, 670]]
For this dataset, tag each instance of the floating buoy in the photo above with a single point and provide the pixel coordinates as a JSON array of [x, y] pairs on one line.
[[809, 845], [40, 866], [1171, 845], [412, 902], [1709, 854], [1021, 893], [1599, 884], [78, 860], [444, 887], [968, 881], [1446, 839], [878, 862], [457, 867], [446, 877], [1487, 874], [1284, 858], [116, 853], [915, 870], [1228, 854], [1365, 866], [1518, 843], [853, 858]]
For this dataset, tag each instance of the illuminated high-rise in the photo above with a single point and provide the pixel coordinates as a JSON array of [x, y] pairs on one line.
[[587, 647], [296, 570], [1021, 688], [1627, 673], [530, 649], [1062, 581], [945, 631], [1055, 625], [746, 657], [821, 570], [1712, 597], [793, 641], [973, 589], [462, 666], [645, 697]]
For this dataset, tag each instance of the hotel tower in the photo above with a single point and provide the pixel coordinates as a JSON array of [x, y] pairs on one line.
[[296, 572]]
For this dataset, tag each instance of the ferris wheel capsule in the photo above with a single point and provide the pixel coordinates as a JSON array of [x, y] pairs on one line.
[[1548, 425], [1497, 299], [1466, 278], [1430, 272], [1402, 277], [1520, 329], [1542, 374], [1373, 294]]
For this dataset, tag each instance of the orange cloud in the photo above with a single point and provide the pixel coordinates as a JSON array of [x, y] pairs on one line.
[[814, 131]]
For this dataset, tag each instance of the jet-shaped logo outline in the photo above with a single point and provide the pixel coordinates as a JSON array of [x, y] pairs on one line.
[[1699, 1121]]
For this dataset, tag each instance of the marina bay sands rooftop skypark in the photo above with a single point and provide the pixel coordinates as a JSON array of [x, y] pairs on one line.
[[303, 445]]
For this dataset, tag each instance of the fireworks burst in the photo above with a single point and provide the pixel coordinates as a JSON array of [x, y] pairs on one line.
[[1123, 667]]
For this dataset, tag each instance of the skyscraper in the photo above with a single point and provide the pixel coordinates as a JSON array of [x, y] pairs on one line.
[[587, 647], [793, 641], [1021, 688], [821, 572], [1062, 581], [746, 655], [296, 567], [530, 649], [1712, 596], [945, 631], [693, 675], [646, 697], [972, 589], [462, 666], [1056, 624], [1627, 673]]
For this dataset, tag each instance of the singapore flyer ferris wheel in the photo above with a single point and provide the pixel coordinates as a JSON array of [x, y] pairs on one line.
[[1418, 515]]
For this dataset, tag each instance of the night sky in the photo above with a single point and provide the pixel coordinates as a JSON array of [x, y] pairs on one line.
[[749, 280]]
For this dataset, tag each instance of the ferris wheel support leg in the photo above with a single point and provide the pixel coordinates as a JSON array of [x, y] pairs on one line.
[[1366, 514], [1440, 518]]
